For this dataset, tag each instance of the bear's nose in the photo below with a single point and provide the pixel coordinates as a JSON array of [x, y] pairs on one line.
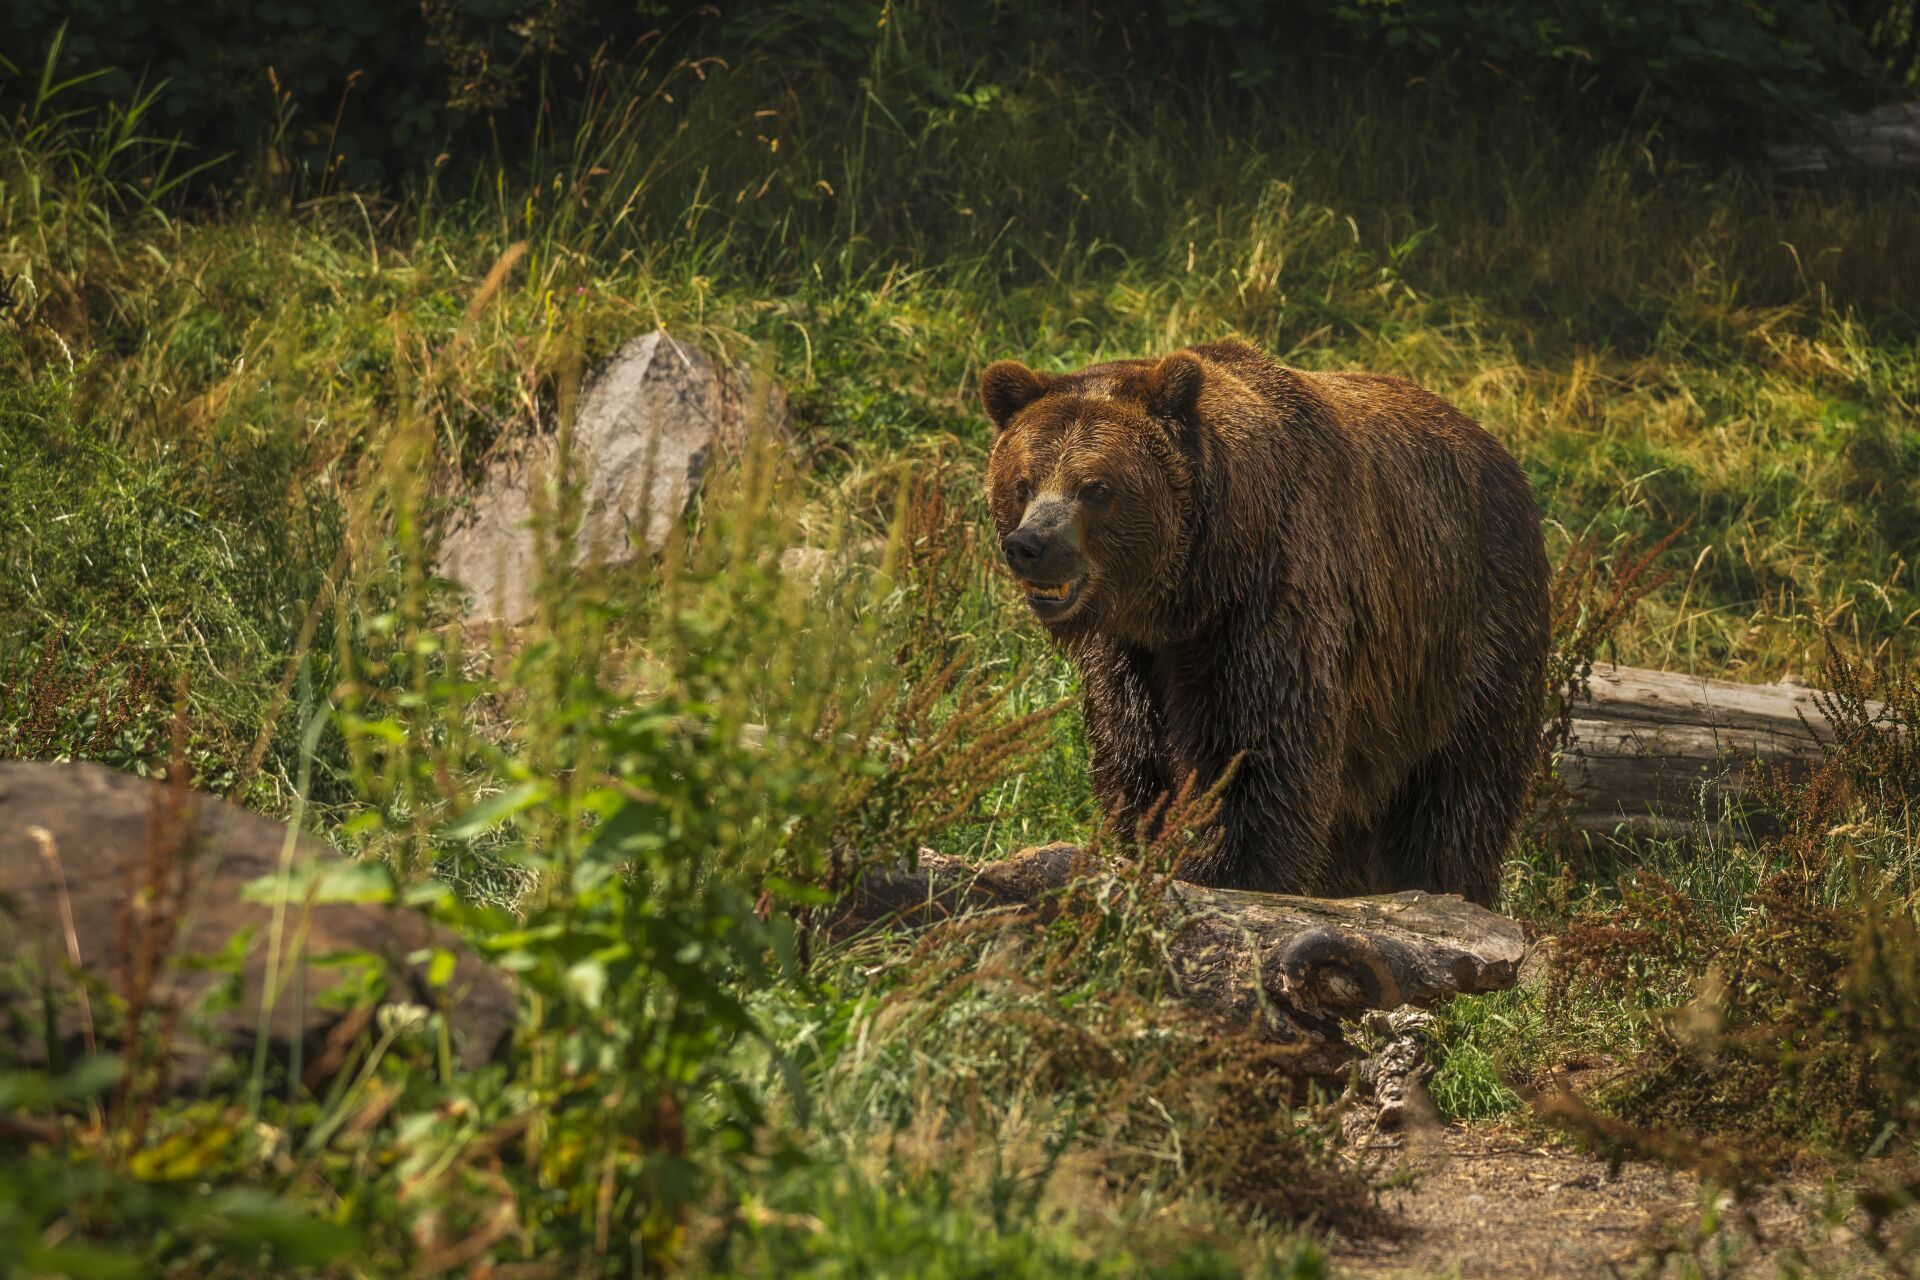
[[1023, 548]]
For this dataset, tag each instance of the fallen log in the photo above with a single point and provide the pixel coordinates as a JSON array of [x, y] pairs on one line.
[[1650, 753], [1660, 753], [1293, 967], [1883, 140]]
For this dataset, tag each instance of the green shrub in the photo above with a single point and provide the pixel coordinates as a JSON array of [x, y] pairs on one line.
[[355, 91], [1707, 67], [656, 781], [838, 1225], [1471, 1038], [237, 391]]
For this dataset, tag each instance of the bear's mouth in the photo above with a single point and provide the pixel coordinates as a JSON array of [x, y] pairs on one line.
[[1053, 600]]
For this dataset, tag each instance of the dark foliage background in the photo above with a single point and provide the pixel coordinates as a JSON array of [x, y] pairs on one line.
[[362, 92]]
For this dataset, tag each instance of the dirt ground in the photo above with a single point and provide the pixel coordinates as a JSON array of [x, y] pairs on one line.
[[1499, 1202]]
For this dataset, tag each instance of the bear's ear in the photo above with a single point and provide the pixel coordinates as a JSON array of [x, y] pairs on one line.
[[1174, 386], [1007, 387]]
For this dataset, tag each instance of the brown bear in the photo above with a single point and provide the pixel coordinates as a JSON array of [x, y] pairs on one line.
[[1336, 579]]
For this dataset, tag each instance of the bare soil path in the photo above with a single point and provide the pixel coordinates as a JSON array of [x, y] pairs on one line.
[[1499, 1203]]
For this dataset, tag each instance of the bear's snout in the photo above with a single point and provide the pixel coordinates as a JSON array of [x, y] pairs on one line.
[[1025, 548], [1043, 548]]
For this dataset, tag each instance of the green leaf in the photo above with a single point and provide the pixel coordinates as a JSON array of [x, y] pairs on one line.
[[90, 1077], [588, 980], [494, 810], [228, 959], [82, 1262], [520, 939], [427, 893], [254, 1217], [28, 1090], [323, 881], [804, 894]]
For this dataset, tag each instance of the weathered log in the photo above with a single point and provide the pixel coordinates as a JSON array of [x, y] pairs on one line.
[[1885, 140], [1650, 752], [1292, 966], [1659, 753]]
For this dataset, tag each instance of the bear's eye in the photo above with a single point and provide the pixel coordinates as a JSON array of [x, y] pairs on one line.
[[1022, 492], [1094, 493]]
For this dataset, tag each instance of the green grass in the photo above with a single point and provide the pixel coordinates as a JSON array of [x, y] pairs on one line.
[[227, 432], [1737, 363]]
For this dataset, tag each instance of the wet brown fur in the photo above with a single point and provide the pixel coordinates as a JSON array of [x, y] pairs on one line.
[[1336, 578]]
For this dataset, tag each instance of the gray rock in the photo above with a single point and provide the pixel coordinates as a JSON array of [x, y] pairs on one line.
[[111, 866], [648, 426]]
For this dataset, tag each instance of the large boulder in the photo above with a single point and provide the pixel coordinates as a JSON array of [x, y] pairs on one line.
[[142, 885], [649, 425]]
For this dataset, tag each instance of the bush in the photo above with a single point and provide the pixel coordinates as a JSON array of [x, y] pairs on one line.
[[350, 91], [1793, 1033], [1707, 67]]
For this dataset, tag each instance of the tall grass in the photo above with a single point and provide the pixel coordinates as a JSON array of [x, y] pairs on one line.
[[1661, 345]]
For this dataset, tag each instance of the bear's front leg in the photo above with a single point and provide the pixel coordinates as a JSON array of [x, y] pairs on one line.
[[1125, 734], [1273, 833], [1276, 717]]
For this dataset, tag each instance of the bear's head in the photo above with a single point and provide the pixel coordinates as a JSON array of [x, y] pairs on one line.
[[1091, 487]]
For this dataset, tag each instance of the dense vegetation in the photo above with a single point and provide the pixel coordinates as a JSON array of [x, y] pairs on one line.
[[233, 405], [359, 91]]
